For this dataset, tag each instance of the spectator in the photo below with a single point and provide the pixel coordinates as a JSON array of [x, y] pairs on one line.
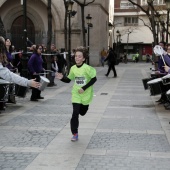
[[111, 58], [103, 55], [35, 68]]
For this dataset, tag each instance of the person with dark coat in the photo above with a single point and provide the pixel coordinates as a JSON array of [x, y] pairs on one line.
[[111, 58], [35, 68]]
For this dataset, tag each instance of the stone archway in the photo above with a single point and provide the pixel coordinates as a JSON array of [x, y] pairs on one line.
[[17, 31]]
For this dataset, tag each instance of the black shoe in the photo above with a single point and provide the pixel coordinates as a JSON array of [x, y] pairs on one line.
[[167, 108], [106, 75], [40, 97], [115, 77], [34, 100], [166, 104], [50, 85], [160, 100], [10, 101]]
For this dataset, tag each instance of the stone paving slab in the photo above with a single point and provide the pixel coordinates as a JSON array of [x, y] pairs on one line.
[[130, 123], [50, 110], [136, 103], [132, 142], [26, 138], [57, 121], [131, 97], [99, 162], [130, 91], [131, 112], [59, 102], [15, 161]]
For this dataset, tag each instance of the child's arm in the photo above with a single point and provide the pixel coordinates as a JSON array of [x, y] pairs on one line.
[[62, 78], [65, 80], [90, 83]]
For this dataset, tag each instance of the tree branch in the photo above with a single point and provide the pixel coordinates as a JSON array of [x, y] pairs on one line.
[[145, 24], [83, 4], [139, 6]]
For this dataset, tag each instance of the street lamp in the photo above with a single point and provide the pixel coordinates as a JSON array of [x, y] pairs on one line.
[[110, 26], [129, 32], [89, 24], [24, 56], [168, 10], [69, 12], [118, 43]]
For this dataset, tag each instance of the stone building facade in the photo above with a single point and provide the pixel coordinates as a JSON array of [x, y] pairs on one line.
[[37, 24]]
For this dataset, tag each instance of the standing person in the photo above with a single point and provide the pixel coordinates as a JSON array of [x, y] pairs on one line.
[[35, 68], [18, 61], [137, 57], [125, 58], [103, 55], [7, 75], [82, 91], [111, 61], [8, 54], [161, 69], [54, 68]]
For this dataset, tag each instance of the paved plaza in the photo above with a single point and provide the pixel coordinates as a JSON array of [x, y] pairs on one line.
[[124, 129]]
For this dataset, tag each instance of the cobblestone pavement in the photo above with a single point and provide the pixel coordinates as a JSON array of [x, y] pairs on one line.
[[124, 128]]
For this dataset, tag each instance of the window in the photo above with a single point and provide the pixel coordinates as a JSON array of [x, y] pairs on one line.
[[155, 2], [130, 21], [127, 5]]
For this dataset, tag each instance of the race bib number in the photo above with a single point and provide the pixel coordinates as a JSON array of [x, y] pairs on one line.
[[80, 81]]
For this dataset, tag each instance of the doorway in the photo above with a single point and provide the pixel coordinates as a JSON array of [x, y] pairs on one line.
[[17, 32]]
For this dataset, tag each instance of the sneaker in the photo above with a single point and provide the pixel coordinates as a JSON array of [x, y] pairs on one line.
[[75, 137], [40, 97]]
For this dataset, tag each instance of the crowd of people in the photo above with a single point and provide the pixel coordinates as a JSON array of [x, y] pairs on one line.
[[84, 76], [37, 59], [162, 68]]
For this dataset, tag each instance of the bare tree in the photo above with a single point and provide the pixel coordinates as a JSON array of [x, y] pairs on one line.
[[2, 29], [65, 24], [82, 4], [49, 25], [151, 12]]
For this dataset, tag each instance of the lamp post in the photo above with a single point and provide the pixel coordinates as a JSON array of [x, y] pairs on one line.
[[89, 24], [128, 33], [168, 10], [110, 30], [69, 10], [118, 43], [24, 56]]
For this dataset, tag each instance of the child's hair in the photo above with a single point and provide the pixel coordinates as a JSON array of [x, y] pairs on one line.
[[3, 58], [83, 50]]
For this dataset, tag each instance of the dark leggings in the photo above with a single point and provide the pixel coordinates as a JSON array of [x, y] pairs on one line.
[[77, 109], [35, 92]]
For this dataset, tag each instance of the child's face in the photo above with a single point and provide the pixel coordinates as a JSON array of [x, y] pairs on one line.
[[79, 58]]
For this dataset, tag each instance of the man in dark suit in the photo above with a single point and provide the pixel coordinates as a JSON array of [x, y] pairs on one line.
[[111, 58]]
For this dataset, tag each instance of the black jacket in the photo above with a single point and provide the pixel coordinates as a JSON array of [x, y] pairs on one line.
[[111, 57]]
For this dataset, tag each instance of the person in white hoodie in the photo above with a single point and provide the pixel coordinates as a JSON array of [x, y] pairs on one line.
[[7, 75]]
